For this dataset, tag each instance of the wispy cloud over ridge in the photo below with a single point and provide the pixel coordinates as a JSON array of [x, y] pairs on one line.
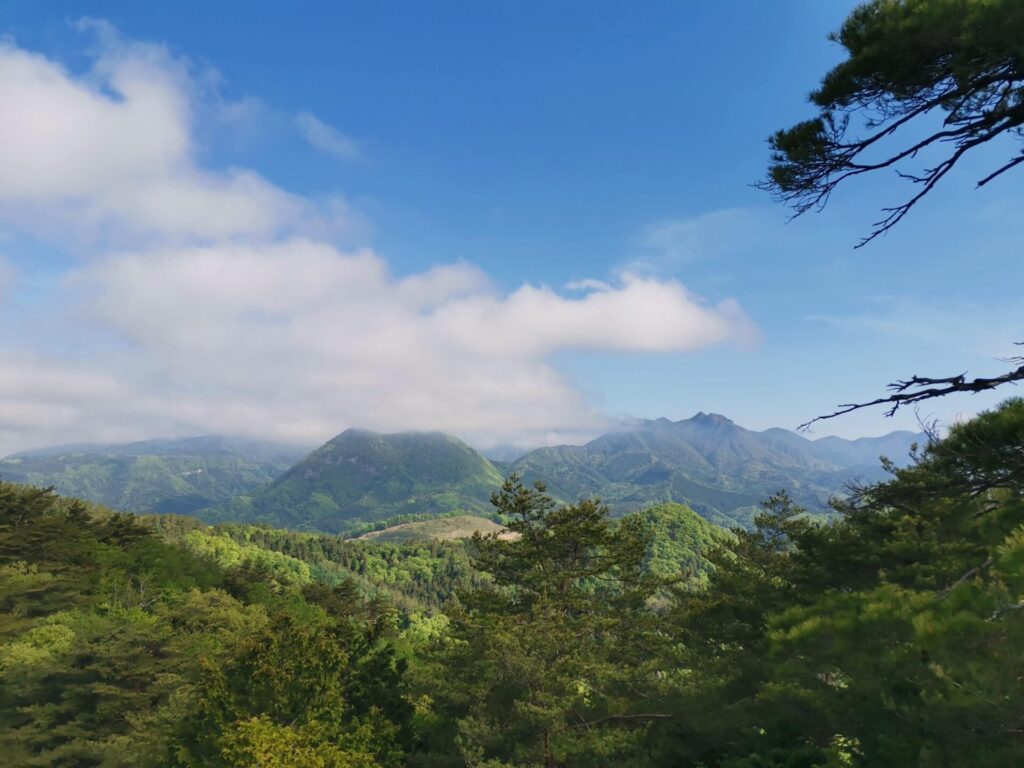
[[211, 299], [966, 327], [326, 137]]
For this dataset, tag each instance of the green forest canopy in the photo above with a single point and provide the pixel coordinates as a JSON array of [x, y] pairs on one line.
[[892, 635]]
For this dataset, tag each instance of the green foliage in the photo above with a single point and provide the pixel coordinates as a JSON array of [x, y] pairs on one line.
[[890, 634], [679, 540], [907, 59], [112, 640], [228, 553], [414, 576], [362, 477], [176, 476], [544, 656], [893, 636], [259, 741], [295, 694]]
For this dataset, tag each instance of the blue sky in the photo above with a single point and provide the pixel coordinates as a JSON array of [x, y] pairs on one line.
[[504, 144]]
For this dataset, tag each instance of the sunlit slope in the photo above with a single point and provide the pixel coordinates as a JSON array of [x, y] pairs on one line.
[[440, 529], [361, 477]]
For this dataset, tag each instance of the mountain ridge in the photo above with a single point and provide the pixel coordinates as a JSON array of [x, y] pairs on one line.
[[707, 461], [164, 475], [361, 477]]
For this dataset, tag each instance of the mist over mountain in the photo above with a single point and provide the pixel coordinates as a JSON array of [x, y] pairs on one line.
[[362, 478]]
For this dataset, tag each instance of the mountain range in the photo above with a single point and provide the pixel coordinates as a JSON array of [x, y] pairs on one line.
[[165, 476], [718, 468], [359, 479], [365, 477]]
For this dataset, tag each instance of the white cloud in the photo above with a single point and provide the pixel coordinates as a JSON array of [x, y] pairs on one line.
[[113, 149], [326, 138], [681, 241], [644, 315], [966, 328], [587, 284], [298, 339], [8, 275], [46, 402], [227, 309]]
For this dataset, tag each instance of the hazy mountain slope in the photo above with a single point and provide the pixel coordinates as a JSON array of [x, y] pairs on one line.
[[363, 477], [707, 462], [720, 469], [717, 468], [865, 451], [179, 476]]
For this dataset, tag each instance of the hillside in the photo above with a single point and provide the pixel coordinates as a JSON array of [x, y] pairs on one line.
[[160, 640], [109, 632], [163, 476], [441, 529], [680, 539], [361, 477], [720, 469]]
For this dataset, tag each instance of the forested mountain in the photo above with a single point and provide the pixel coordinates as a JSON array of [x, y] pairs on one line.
[[364, 477], [888, 635], [122, 648], [720, 469], [179, 476], [160, 640], [707, 462]]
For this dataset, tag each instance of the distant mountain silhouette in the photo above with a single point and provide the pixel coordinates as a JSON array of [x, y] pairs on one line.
[[718, 468], [721, 470], [172, 476]]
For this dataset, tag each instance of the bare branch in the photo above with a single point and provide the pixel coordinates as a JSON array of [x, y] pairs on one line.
[[932, 177], [919, 388], [652, 716], [998, 613], [1000, 171], [968, 576]]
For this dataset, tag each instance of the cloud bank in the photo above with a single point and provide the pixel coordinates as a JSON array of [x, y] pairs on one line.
[[210, 300]]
